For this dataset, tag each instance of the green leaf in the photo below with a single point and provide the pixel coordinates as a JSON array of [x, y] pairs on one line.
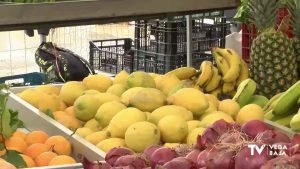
[[15, 122], [242, 14], [7, 130], [2, 146], [14, 158]]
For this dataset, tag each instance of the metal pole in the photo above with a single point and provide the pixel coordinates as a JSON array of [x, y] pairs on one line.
[[43, 38], [189, 40]]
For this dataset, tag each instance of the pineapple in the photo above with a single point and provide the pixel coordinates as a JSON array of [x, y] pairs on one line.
[[294, 8], [272, 54]]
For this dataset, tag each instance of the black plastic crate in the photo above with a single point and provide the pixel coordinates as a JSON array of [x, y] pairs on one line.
[[170, 37], [112, 55]]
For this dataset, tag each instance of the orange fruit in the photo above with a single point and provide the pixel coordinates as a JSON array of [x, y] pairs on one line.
[[62, 160], [20, 134], [44, 158], [70, 111], [16, 143], [36, 137], [60, 145], [28, 160], [62, 105], [70, 122], [36, 149], [59, 115], [6, 165]]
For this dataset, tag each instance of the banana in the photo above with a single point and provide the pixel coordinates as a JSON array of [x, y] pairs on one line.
[[244, 74], [214, 82], [244, 92], [206, 69], [206, 73], [258, 100], [234, 63], [295, 122], [285, 121], [269, 115], [227, 87], [288, 100], [217, 92], [298, 102], [183, 73], [270, 103], [222, 64]]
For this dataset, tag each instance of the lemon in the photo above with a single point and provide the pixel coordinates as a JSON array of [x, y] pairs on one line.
[[213, 99], [70, 91], [250, 112], [68, 121], [193, 135], [211, 107], [32, 96], [163, 111], [107, 111], [117, 89], [50, 103], [123, 119], [85, 107], [171, 145], [166, 83], [148, 115], [106, 97], [96, 137], [93, 124], [154, 75], [215, 116], [121, 78], [110, 143], [141, 135], [83, 132], [173, 129], [230, 107], [140, 79], [91, 91], [192, 124], [97, 82], [48, 89], [129, 93], [190, 98], [147, 99]]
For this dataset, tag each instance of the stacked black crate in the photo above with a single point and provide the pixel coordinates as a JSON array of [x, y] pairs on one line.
[[160, 45]]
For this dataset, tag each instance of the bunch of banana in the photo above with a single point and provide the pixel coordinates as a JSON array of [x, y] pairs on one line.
[[232, 68], [283, 108], [209, 79]]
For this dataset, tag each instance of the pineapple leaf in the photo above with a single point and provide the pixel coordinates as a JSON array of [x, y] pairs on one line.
[[263, 13]]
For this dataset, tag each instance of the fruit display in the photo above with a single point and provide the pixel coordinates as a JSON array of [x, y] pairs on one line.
[[21, 147], [37, 149], [222, 145], [141, 109]]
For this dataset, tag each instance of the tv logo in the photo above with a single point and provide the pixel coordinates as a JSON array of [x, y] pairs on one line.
[[272, 150]]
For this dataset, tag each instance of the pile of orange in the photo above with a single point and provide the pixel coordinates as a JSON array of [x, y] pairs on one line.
[[38, 149]]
